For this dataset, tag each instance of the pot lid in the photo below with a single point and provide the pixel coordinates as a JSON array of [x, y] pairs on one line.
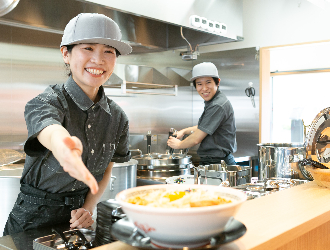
[[318, 139]]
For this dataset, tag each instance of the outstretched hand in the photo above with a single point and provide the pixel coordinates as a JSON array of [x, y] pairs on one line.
[[73, 164]]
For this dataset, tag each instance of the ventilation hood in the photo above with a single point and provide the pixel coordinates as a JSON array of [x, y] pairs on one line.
[[41, 23], [145, 80]]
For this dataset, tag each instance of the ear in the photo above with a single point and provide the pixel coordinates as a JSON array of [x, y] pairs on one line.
[[65, 54], [219, 82]]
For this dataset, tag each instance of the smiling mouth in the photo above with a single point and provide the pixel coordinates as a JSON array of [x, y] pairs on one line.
[[95, 71]]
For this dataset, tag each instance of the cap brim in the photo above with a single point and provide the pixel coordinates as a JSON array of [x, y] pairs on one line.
[[194, 78], [122, 47]]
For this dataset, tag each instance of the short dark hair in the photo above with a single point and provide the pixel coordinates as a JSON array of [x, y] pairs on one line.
[[70, 47], [216, 80]]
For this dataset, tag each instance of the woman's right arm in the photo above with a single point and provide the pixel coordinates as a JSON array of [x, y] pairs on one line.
[[67, 150]]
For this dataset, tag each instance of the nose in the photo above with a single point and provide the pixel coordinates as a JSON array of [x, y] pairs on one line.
[[204, 87], [98, 57]]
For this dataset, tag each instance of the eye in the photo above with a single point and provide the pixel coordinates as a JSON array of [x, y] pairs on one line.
[[110, 51], [88, 48]]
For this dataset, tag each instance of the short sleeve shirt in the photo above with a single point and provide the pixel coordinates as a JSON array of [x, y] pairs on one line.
[[218, 121], [101, 127]]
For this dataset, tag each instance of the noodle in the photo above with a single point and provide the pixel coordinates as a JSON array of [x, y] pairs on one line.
[[178, 199]]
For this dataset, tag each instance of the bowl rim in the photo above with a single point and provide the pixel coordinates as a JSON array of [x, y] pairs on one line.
[[130, 206]]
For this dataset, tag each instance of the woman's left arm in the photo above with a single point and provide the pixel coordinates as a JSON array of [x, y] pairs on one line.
[[82, 217]]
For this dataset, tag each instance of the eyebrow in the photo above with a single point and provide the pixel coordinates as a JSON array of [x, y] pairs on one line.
[[206, 81], [107, 46]]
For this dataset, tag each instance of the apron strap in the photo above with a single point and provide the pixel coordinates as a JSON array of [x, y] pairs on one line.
[[37, 196]]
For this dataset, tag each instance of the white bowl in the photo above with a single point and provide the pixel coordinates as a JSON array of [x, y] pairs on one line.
[[181, 227]]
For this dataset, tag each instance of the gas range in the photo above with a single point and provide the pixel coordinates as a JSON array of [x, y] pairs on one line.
[[261, 188], [72, 239]]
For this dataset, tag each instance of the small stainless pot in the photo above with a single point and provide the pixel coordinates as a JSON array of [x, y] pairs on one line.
[[280, 160]]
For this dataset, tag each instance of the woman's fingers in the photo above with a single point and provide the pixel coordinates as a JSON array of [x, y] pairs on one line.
[[75, 166], [81, 218]]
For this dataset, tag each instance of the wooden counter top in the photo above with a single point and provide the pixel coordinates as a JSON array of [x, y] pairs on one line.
[[296, 218]]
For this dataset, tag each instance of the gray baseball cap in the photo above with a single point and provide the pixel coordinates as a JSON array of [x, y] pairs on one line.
[[94, 28], [205, 69]]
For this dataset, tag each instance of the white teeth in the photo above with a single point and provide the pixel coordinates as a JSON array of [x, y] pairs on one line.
[[95, 71]]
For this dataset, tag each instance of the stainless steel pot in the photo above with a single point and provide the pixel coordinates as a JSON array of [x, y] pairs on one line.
[[123, 176], [280, 160], [217, 174], [157, 161], [10, 187]]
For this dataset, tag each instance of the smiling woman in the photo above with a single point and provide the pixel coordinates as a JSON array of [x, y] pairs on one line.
[[73, 139]]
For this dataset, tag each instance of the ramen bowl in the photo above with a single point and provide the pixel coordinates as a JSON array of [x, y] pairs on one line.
[[178, 227]]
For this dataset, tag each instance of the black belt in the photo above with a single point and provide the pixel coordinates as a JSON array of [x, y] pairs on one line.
[[36, 196]]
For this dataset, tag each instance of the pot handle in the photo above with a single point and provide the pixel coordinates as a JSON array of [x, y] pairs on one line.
[[112, 183], [136, 150]]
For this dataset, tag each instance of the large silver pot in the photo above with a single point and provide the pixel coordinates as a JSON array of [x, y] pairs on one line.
[[10, 176], [123, 176], [280, 160], [158, 161]]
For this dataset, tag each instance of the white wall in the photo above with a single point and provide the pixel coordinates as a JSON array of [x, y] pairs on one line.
[[280, 22]]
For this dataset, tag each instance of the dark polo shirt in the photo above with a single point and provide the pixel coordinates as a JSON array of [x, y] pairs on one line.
[[218, 121], [101, 127]]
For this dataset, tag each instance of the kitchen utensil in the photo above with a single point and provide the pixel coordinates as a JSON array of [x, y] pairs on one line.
[[123, 176], [87, 244], [276, 160], [170, 133], [68, 245], [173, 135], [320, 176], [318, 138], [149, 142], [250, 92], [222, 174], [10, 187], [155, 166]]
